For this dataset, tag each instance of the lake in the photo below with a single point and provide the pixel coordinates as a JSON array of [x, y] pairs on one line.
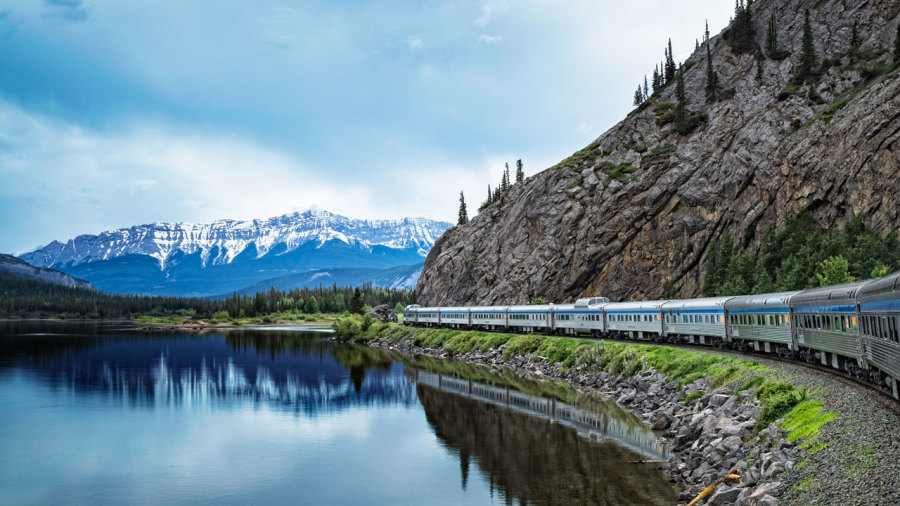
[[99, 413]]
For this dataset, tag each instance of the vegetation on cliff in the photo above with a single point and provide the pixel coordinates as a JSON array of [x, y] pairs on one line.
[[800, 254]]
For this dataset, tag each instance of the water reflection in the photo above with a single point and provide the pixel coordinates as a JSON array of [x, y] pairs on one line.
[[506, 438]]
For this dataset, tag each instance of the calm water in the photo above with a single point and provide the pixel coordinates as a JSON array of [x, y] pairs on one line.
[[102, 414]]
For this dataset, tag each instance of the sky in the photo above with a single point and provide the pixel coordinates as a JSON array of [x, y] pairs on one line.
[[116, 113]]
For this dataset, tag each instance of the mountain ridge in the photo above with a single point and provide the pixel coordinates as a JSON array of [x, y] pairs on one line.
[[193, 259], [20, 268]]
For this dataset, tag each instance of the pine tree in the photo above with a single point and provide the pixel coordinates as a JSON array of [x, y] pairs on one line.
[[696, 45], [646, 88], [656, 84], [712, 79], [807, 64], [463, 214], [741, 35], [638, 98], [520, 171], [897, 47], [706, 33], [490, 199], [356, 302], [855, 43], [681, 112], [772, 39], [670, 63], [759, 67], [504, 183]]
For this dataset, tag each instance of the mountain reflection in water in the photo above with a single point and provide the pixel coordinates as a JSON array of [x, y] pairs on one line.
[[529, 447]]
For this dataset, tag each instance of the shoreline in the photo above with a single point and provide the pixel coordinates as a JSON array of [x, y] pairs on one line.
[[711, 424]]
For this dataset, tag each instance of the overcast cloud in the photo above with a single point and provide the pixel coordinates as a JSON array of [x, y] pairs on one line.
[[120, 113]]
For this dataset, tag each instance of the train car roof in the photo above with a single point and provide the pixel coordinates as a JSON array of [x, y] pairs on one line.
[[704, 303], [536, 308], [428, 309], [591, 302], [412, 307], [834, 295], [884, 288], [488, 309], [632, 306], [457, 309], [762, 300], [576, 307]]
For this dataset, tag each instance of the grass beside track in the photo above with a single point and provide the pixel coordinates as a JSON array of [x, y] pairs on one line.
[[801, 411]]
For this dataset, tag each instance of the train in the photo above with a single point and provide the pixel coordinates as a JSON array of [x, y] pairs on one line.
[[851, 327]]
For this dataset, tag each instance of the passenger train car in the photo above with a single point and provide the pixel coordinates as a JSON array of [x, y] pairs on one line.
[[853, 327]]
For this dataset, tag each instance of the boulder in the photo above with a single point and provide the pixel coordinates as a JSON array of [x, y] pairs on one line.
[[383, 313]]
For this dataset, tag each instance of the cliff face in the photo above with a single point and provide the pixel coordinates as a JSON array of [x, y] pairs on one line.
[[766, 148]]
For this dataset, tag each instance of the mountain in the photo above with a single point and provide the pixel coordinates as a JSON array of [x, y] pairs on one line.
[[192, 259], [639, 206], [19, 268], [401, 277]]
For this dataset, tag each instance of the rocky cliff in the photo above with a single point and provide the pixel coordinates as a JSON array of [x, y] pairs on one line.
[[639, 206]]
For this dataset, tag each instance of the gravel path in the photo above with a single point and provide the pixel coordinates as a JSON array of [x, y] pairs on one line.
[[861, 465]]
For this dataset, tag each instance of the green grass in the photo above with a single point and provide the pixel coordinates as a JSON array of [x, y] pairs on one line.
[[693, 396], [621, 172], [801, 411], [584, 156]]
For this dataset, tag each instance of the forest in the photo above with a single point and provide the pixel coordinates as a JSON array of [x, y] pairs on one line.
[[23, 298], [798, 255]]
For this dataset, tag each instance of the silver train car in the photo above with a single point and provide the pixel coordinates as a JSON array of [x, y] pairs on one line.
[[761, 322], [696, 320], [879, 315], [826, 326], [637, 320], [584, 316], [852, 327]]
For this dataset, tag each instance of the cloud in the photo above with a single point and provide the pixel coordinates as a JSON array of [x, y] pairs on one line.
[[490, 39], [70, 10], [414, 42], [490, 11]]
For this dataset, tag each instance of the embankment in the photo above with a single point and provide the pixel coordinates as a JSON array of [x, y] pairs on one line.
[[718, 413]]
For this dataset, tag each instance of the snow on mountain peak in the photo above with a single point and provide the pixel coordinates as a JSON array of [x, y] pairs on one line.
[[221, 241]]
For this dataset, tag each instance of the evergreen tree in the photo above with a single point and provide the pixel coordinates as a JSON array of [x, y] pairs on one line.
[[504, 181], [646, 88], [741, 35], [681, 110], [670, 63], [759, 66], [712, 79], [638, 97], [656, 79], [490, 199], [706, 33], [520, 171], [696, 45], [855, 43], [772, 39], [806, 66], [356, 302], [463, 214], [897, 47]]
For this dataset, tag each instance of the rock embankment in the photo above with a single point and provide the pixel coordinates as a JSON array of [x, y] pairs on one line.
[[711, 435]]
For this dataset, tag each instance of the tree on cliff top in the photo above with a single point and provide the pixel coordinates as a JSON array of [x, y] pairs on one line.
[[520, 172], [463, 214], [670, 68], [741, 36], [806, 66], [681, 112]]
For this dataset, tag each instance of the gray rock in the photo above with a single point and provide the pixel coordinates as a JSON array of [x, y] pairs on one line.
[[383, 313], [724, 494]]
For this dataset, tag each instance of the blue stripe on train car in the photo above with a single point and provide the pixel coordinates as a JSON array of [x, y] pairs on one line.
[[646, 311], [825, 309], [881, 305], [692, 311], [769, 310]]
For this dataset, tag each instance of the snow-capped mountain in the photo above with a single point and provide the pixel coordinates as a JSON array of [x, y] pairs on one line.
[[205, 259]]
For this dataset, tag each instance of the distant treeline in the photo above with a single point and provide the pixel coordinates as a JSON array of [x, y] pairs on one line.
[[24, 298], [800, 255]]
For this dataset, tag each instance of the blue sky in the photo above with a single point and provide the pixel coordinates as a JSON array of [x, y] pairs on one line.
[[115, 113]]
